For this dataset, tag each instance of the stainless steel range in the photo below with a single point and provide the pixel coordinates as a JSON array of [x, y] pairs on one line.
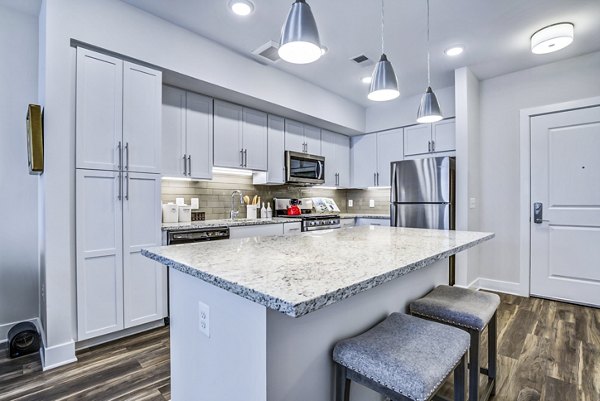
[[313, 218]]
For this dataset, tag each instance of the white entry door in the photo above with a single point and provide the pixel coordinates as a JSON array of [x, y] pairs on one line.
[[565, 180]]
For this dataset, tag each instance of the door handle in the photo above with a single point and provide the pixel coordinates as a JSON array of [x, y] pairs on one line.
[[189, 164], [184, 164], [242, 157], [127, 186], [245, 157], [120, 187], [377, 179], [429, 146], [120, 151], [374, 179], [127, 156], [433, 146], [538, 213]]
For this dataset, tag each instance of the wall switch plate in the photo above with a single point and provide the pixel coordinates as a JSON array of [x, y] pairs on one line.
[[371, 202], [472, 203], [350, 203], [204, 319]]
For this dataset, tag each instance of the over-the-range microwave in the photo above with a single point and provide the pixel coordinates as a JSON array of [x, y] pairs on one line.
[[304, 169]]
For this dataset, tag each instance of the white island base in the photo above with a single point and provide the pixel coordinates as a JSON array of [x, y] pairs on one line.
[[258, 354]]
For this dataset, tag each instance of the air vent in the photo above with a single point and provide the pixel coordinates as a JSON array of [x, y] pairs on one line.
[[267, 52], [360, 59]]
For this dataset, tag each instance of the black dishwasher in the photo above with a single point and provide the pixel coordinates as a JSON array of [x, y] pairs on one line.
[[197, 235]]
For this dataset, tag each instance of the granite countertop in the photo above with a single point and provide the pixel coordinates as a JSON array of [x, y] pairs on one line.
[[300, 274], [226, 223], [382, 216]]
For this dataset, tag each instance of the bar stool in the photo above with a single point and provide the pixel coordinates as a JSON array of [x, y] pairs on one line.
[[471, 311], [403, 358]]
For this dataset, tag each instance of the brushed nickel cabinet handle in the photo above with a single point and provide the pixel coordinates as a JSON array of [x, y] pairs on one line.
[[185, 165], [189, 164], [120, 187], [127, 156], [127, 186], [120, 151]]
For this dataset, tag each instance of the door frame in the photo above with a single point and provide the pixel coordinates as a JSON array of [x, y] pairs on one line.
[[524, 288]]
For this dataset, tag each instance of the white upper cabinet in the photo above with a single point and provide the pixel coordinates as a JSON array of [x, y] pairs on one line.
[[255, 139], [142, 99], [364, 161], [118, 111], [336, 150], [99, 111], [302, 138], [275, 173], [227, 140], [424, 139], [372, 155], [390, 148], [187, 123], [240, 137], [199, 135]]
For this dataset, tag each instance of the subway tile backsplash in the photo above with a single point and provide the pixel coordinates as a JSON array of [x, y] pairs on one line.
[[215, 196]]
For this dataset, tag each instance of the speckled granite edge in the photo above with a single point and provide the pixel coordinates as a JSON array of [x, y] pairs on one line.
[[313, 304], [364, 216], [225, 223]]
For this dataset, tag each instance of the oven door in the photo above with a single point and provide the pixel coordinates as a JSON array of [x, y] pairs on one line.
[[302, 168]]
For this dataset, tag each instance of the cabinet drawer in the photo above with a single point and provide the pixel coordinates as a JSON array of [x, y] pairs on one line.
[[292, 228], [256, 231]]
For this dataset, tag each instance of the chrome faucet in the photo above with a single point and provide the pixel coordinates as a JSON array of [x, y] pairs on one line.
[[235, 211]]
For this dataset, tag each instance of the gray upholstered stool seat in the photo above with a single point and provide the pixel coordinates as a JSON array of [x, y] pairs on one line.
[[458, 306], [408, 355], [472, 311]]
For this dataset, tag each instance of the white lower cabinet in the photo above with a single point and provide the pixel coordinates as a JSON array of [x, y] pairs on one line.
[[257, 230], [292, 228], [117, 214], [349, 222], [363, 221]]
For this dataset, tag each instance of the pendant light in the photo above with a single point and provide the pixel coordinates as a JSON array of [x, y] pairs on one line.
[[384, 85], [300, 42], [429, 109]]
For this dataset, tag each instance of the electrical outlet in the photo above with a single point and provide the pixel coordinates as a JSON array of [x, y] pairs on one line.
[[350, 203], [472, 203], [204, 319], [371, 203]]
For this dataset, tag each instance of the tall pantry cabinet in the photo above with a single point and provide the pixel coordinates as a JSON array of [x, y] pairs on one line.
[[118, 137]]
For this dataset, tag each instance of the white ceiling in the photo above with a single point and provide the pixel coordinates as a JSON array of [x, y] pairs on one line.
[[495, 35]]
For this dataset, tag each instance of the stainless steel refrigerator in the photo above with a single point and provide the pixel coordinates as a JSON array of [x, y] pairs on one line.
[[423, 193], [423, 196]]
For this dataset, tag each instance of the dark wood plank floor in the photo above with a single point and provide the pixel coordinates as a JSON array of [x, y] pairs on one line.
[[548, 351]]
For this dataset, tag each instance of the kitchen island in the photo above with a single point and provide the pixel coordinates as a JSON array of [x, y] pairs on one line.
[[256, 318]]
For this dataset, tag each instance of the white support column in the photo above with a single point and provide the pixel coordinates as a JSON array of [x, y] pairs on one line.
[[467, 170]]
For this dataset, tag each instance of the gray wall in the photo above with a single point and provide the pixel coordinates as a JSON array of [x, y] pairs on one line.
[[19, 273]]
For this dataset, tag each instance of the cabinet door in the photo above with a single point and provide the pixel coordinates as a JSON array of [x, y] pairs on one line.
[[342, 156], [390, 148], [275, 150], [142, 102], [99, 120], [329, 151], [144, 280], [173, 132], [255, 139], [294, 136], [417, 139], [98, 216], [444, 136], [199, 134], [227, 139], [364, 161], [312, 138]]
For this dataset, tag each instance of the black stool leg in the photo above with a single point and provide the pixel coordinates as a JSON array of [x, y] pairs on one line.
[[492, 352], [342, 384], [460, 380], [474, 365]]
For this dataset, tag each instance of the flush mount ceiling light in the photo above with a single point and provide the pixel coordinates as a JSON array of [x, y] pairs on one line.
[[454, 51], [300, 42], [429, 109], [552, 38], [241, 7], [384, 85]]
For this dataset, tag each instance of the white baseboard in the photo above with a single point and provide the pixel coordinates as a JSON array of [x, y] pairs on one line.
[[58, 355], [4, 328], [507, 287], [119, 334], [473, 285]]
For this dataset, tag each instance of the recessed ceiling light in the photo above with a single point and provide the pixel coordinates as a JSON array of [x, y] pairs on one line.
[[454, 51], [241, 7], [366, 80], [552, 38]]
